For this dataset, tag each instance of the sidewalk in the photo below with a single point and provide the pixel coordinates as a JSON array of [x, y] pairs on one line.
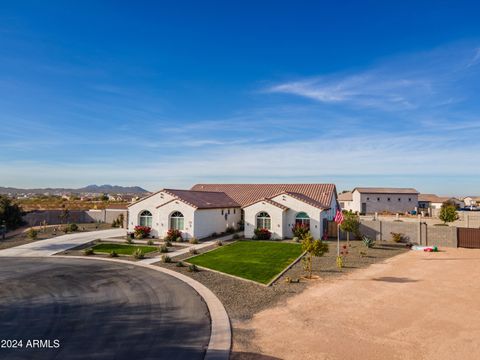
[[60, 243]]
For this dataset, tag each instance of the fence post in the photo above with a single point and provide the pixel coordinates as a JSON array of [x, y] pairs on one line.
[[380, 230]]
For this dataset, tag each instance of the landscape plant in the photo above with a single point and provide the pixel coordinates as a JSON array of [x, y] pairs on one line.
[[173, 235], [230, 230], [397, 237], [141, 232], [10, 213], [262, 234], [192, 268], [138, 254], [313, 248], [448, 213], [350, 224], [300, 230], [163, 248], [113, 253], [88, 251], [32, 234], [193, 240], [72, 227], [368, 241], [166, 259]]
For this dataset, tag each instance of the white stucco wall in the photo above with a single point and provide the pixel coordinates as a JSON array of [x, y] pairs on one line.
[[163, 220], [276, 216], [294, 207], [347, 205], [208, 221], [380, 202], [149, 204]]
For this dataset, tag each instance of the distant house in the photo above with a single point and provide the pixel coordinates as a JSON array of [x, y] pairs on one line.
[[435, 202], [471, 201], [345, 200], [370, 200], [209, 208]]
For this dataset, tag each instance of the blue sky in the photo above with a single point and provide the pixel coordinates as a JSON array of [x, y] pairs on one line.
[[168, 94]]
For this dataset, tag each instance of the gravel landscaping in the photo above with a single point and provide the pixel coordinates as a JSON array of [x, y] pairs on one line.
[[243, 299]]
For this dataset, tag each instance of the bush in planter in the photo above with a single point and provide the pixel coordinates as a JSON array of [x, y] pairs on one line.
[[113, 253], [397, 237], [296, 239], [236, 236], [230, 230], [88, 251], [32, 234], [141, 232], [192, 268], [72, 227], [219, 243], [193, 240], [173, 235], [150, 242], [163, 248], [129, 240], [193, 251], [300, 230], [166, 259], [262, 234], [180, 264]]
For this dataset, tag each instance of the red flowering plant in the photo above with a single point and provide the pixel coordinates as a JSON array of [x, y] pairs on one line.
[[300, 230], [262, 234], [173, 235], [141, 232]]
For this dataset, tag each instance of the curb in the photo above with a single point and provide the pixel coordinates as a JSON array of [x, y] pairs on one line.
[[221, 333]]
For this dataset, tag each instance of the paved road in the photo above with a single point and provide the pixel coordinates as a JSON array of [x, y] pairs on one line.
[[60, 243], [99, 311]]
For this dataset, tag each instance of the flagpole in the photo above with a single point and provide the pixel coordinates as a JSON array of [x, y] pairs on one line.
[[338, 239]]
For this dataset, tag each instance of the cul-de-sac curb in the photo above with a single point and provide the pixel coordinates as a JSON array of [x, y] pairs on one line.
[[221, 332]]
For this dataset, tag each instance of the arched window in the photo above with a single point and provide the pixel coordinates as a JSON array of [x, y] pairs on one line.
[[146, 218], [177, 221], [302, 219], [263, 221]]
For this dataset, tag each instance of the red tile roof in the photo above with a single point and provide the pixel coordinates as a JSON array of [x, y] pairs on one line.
[[270, 201], [245, 194], [203, 199]]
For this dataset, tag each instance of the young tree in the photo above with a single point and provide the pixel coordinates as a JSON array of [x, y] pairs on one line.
[[448, 213], [350, 224], [65, 215], [313, 248], [10, 213]]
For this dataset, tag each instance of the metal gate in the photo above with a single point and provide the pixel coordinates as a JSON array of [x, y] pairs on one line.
[[468, 238]]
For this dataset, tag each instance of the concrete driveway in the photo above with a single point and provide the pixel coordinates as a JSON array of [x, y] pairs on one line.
[[414, 306], [60, 243], [99, 310]]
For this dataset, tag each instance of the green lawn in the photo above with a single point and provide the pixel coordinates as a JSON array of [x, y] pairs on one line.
[[123, 249], [254, 260]]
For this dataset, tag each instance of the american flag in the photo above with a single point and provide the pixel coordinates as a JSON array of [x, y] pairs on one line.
[[338, 217]]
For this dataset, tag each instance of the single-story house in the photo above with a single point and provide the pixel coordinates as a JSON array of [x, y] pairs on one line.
[[435, 202], [345, 200], [209, 208], [370, 200]]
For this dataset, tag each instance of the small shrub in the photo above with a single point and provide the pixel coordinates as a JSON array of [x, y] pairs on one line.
[[214, 234], [88, 251], [193, 240], [141, 232], [180, 264], [166, 259], [129, 240], [163, 248], [230, 230], [167, 243], [300, 230], [192, 268], [113, 253], [32, 234], [72, 227], [296, 239], [262, 234], [173, 235], [150, 242], [219, 243], [236, 236], [193, 251], [368, 241], [179, 239], [397, 237], [138, 254]]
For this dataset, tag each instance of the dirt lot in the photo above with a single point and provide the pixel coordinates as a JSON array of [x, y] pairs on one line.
[[49, 232], [413, 306]]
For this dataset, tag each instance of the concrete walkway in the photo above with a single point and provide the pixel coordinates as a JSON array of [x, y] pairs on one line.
[[187, 249], [60, 243]]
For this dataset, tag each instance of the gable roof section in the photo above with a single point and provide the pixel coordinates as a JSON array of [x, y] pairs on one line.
[[375, 190], [203, 199], [435, 198], [346, 196], [246, 194], [269, 201]]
